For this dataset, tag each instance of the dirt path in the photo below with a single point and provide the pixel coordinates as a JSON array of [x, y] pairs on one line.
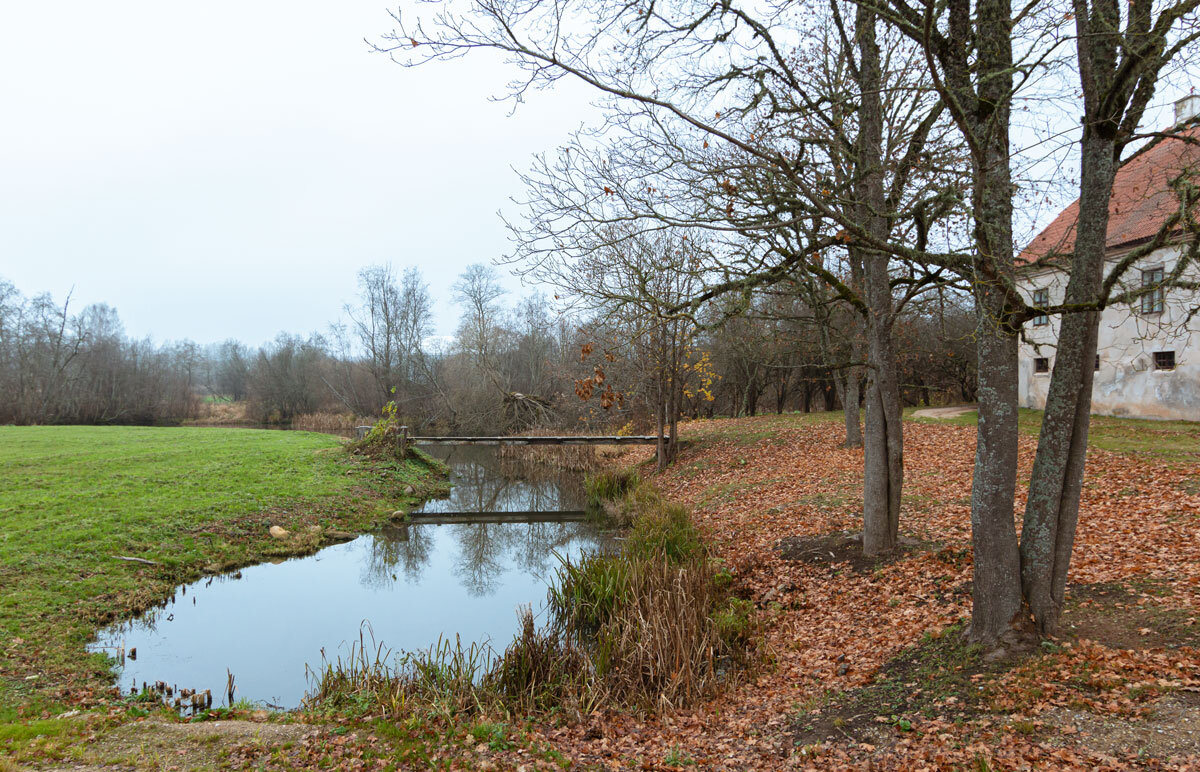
[[943, 412]]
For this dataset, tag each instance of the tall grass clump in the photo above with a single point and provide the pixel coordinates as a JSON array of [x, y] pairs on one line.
[[607, 495], [655, 617], [539, 672], [650, 626], [442, 679], [586, 592]]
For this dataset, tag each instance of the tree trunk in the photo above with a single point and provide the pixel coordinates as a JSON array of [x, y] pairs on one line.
[[1052, 509], [883, 447], [997, 571], [883, 450], [850, 400], [996, 612]]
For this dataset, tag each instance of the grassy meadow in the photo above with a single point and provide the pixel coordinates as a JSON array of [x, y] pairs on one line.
[[193, 500]]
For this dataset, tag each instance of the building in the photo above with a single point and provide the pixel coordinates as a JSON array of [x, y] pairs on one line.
[[1148, 365]]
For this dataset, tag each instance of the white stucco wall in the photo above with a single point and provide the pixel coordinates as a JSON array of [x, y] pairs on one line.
[[1126, 383]]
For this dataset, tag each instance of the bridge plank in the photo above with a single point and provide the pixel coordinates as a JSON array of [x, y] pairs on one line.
[[569, 440]]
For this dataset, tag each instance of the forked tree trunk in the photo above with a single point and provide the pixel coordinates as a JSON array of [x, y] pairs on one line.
[[883, 454], [1052, 510]]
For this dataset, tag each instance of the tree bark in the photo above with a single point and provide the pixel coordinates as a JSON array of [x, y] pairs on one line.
[[883, 448], [1052, 509], [996, 592], [996, 610], [850, 401]]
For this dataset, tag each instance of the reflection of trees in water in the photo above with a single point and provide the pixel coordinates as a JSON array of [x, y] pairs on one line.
[[535, 544], [481, 548], [485, 551], [482, 482], [397, 548]]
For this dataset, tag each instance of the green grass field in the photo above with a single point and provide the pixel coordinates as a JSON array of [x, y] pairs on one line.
[[74, 498]]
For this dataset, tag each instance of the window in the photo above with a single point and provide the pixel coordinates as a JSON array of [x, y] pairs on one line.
[[1041, 299], [1097, 367], [1164, 360], [1152, 301], [1041, 365]]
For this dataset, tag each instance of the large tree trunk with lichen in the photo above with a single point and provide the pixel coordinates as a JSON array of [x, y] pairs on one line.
[[1052, 509], [996, 616], [996, 587]]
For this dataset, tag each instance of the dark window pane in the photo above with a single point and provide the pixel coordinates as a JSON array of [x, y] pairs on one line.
[[1152, 302], [1164, 360], [1041, 298], [1041, 365]]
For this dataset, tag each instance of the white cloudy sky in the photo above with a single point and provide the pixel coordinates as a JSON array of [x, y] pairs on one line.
[[223, 169]]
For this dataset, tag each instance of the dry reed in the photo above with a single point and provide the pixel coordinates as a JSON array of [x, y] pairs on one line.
[[650, 627], [327, 422]]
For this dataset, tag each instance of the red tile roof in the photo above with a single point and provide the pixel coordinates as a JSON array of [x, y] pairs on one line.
[[1141, 202]]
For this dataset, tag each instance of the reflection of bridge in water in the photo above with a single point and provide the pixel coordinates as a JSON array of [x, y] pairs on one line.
[[488, 488], [444, 518]]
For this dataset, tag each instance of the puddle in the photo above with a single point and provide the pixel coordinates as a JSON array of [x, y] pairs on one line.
[[410, 583]]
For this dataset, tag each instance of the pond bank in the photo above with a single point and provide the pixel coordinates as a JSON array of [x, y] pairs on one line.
[[190, 500]]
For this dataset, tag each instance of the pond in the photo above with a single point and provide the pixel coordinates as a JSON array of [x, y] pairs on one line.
[[402, 587]]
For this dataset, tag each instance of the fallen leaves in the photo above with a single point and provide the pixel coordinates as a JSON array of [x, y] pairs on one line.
[[829, 627]]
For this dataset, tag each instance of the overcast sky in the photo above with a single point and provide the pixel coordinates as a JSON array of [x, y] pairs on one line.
[[223, 169]]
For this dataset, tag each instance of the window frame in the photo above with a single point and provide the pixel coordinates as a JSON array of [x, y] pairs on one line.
[[1041, 297], [1041, 365], [1159, 365], [1153, 302]]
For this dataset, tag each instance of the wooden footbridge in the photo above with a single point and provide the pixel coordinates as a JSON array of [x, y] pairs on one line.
[[610, 439], [614, 439]]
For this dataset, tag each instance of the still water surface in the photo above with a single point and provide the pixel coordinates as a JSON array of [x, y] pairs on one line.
[[403, 587]]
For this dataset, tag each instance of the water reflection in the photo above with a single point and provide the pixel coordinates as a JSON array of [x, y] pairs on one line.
[[483, 551], [412, 582], [483, 481]]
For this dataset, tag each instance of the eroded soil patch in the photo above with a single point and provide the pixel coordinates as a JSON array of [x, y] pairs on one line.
[[842, 547], [936, 678], [1117, 616]]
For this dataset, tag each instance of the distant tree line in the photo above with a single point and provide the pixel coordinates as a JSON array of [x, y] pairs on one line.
[[524, 366], [62, 367]]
